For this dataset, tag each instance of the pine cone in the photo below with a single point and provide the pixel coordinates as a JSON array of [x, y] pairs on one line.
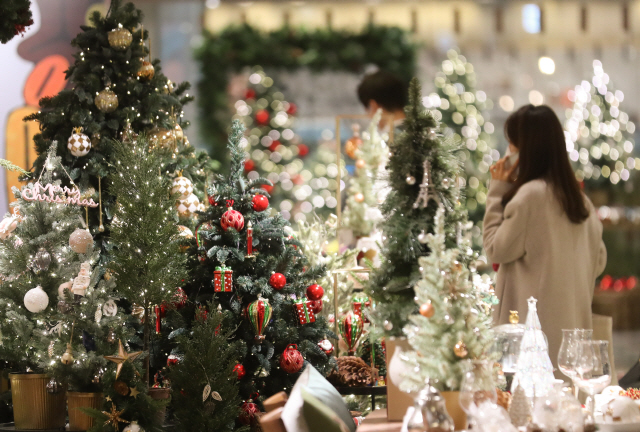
[[352, 372]]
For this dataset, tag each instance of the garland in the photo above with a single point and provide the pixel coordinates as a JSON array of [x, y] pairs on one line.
[[236, 47], [15, 17]]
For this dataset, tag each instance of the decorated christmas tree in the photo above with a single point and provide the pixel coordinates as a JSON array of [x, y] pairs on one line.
[[255, 270], [422, 170], [16, 17], [453, 325], [462, 109], [599, 133]]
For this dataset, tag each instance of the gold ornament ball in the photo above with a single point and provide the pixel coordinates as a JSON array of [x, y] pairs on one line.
[[80, 240], [146, 71], [352, 145], [360, 163], [177, 130], [106, 101], [359, 197], [460, 349], [162, 137], [427, 310], [120, 38], [67, 357]]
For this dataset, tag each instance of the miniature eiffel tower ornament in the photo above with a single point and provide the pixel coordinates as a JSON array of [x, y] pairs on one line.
[[426, 188]]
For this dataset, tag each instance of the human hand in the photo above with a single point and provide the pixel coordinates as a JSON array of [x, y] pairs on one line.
[[499, 172]]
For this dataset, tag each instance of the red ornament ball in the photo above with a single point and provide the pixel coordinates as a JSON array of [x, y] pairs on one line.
[[291, 359], [240, 371], [303, 150], [249, 165], [277, 281], [249, 411], [173, 360], [179, 299], [315, 292], [293, 109], [250, 94], [260, 202], [268, 188], [316, 306], [274, 145], [262, 117], [232, 219]]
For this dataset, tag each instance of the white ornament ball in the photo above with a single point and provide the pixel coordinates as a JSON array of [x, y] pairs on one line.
[[187, 207], [80, 240], [7, 226], [182, 187], [65, 286], [79, 144], [133, 427], [36, 300]]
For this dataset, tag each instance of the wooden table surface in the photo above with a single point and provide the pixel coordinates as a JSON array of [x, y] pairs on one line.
[[377, 422]]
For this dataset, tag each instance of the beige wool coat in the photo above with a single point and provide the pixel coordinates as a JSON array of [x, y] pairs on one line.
[[543, 254]]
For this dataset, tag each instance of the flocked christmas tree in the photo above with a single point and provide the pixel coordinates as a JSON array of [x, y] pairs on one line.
[[453, 324], [599, 133], [252, 267], [462, 109], [422, 170]]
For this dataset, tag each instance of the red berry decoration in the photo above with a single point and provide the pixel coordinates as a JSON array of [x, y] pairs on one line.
[[315, 292], [232, 218], [316, 306], [173, 360], [277, 281], [249, 411], [262, 117], [240, 371], [260, 202], [179, 299], [291, 359]]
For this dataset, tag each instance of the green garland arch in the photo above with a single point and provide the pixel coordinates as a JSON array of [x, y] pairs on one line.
[[236, 47]]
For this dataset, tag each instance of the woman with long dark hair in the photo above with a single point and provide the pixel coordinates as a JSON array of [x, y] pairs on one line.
[[541, 229]]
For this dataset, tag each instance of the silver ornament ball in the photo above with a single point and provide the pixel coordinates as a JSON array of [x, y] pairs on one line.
[[42, 260], [388, 325], [411, 180]]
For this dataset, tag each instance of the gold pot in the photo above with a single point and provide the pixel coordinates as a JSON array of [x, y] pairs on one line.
[[160, 394], [33, 406], [452, 401], [78, 420]]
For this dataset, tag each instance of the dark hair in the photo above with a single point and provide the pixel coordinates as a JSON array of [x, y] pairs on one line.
[[389, 91], [538, 135]]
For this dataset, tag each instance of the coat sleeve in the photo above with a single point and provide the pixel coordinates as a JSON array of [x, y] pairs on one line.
[[504, 228]]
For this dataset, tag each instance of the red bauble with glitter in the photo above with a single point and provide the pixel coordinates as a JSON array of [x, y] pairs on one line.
[[291, 359], [315, 292], [260, 202], [303, 150], [277, 281], [249, 411], [173, 360], [262, 117], [179, 299], [239, 370], [316, 306], [232, 218]]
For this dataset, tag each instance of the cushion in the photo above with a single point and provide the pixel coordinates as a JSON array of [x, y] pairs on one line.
[[315, 384]]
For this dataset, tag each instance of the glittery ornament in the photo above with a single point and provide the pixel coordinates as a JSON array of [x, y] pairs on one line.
[[42, 260], [36, 300], [161, 137], [181, 187], [460, 349], [188, 207], [315, 292], [411, 180], [358, 197], [50, 349], [80, 240], [316, 306], [353, 143], [277, 281], [178, 133], [223, 279], [305, 312], [232, 218], [113, 417], [53, 386], [179, 299], [259, 314], [106, 101], [172, 360], [120, 38], [146, 71], [249, 410], [351, 327], [291, 359], [360, 163], [67, 357], [121, 388], [260, 202], [64, 307], [240, 371], [326, 346], [426, 193], [78, 143], [427, 310]]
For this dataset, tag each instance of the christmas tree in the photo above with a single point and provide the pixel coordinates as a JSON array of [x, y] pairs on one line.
[[462, 109], [599, 133], [422, 170], [453, 325], [208, 399], [16, 17], [262, 277]]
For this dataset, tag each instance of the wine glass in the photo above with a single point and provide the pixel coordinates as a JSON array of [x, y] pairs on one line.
[[569, 351], [593, 369]]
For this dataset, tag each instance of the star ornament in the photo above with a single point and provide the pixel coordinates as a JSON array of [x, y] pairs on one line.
[[122, 357], [113, 417]]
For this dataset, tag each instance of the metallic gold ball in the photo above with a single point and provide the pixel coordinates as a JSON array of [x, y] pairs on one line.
[[162, 138], [178, 133], [146, 71], [67, 357], [120, 38], [427, 310], [359, 197], [106, 101], [360, 164], [460, 349]]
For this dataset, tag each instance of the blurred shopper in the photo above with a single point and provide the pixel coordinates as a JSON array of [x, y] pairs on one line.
[[384, 90], [541, 229]]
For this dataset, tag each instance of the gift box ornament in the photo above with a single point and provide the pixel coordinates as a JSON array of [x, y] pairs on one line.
[[304, 310], [223, 279]]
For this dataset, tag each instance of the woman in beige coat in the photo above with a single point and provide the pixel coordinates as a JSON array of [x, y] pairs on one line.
[[541, 229]]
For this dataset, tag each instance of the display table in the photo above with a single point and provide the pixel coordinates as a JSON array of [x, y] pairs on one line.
[[377, 422]]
